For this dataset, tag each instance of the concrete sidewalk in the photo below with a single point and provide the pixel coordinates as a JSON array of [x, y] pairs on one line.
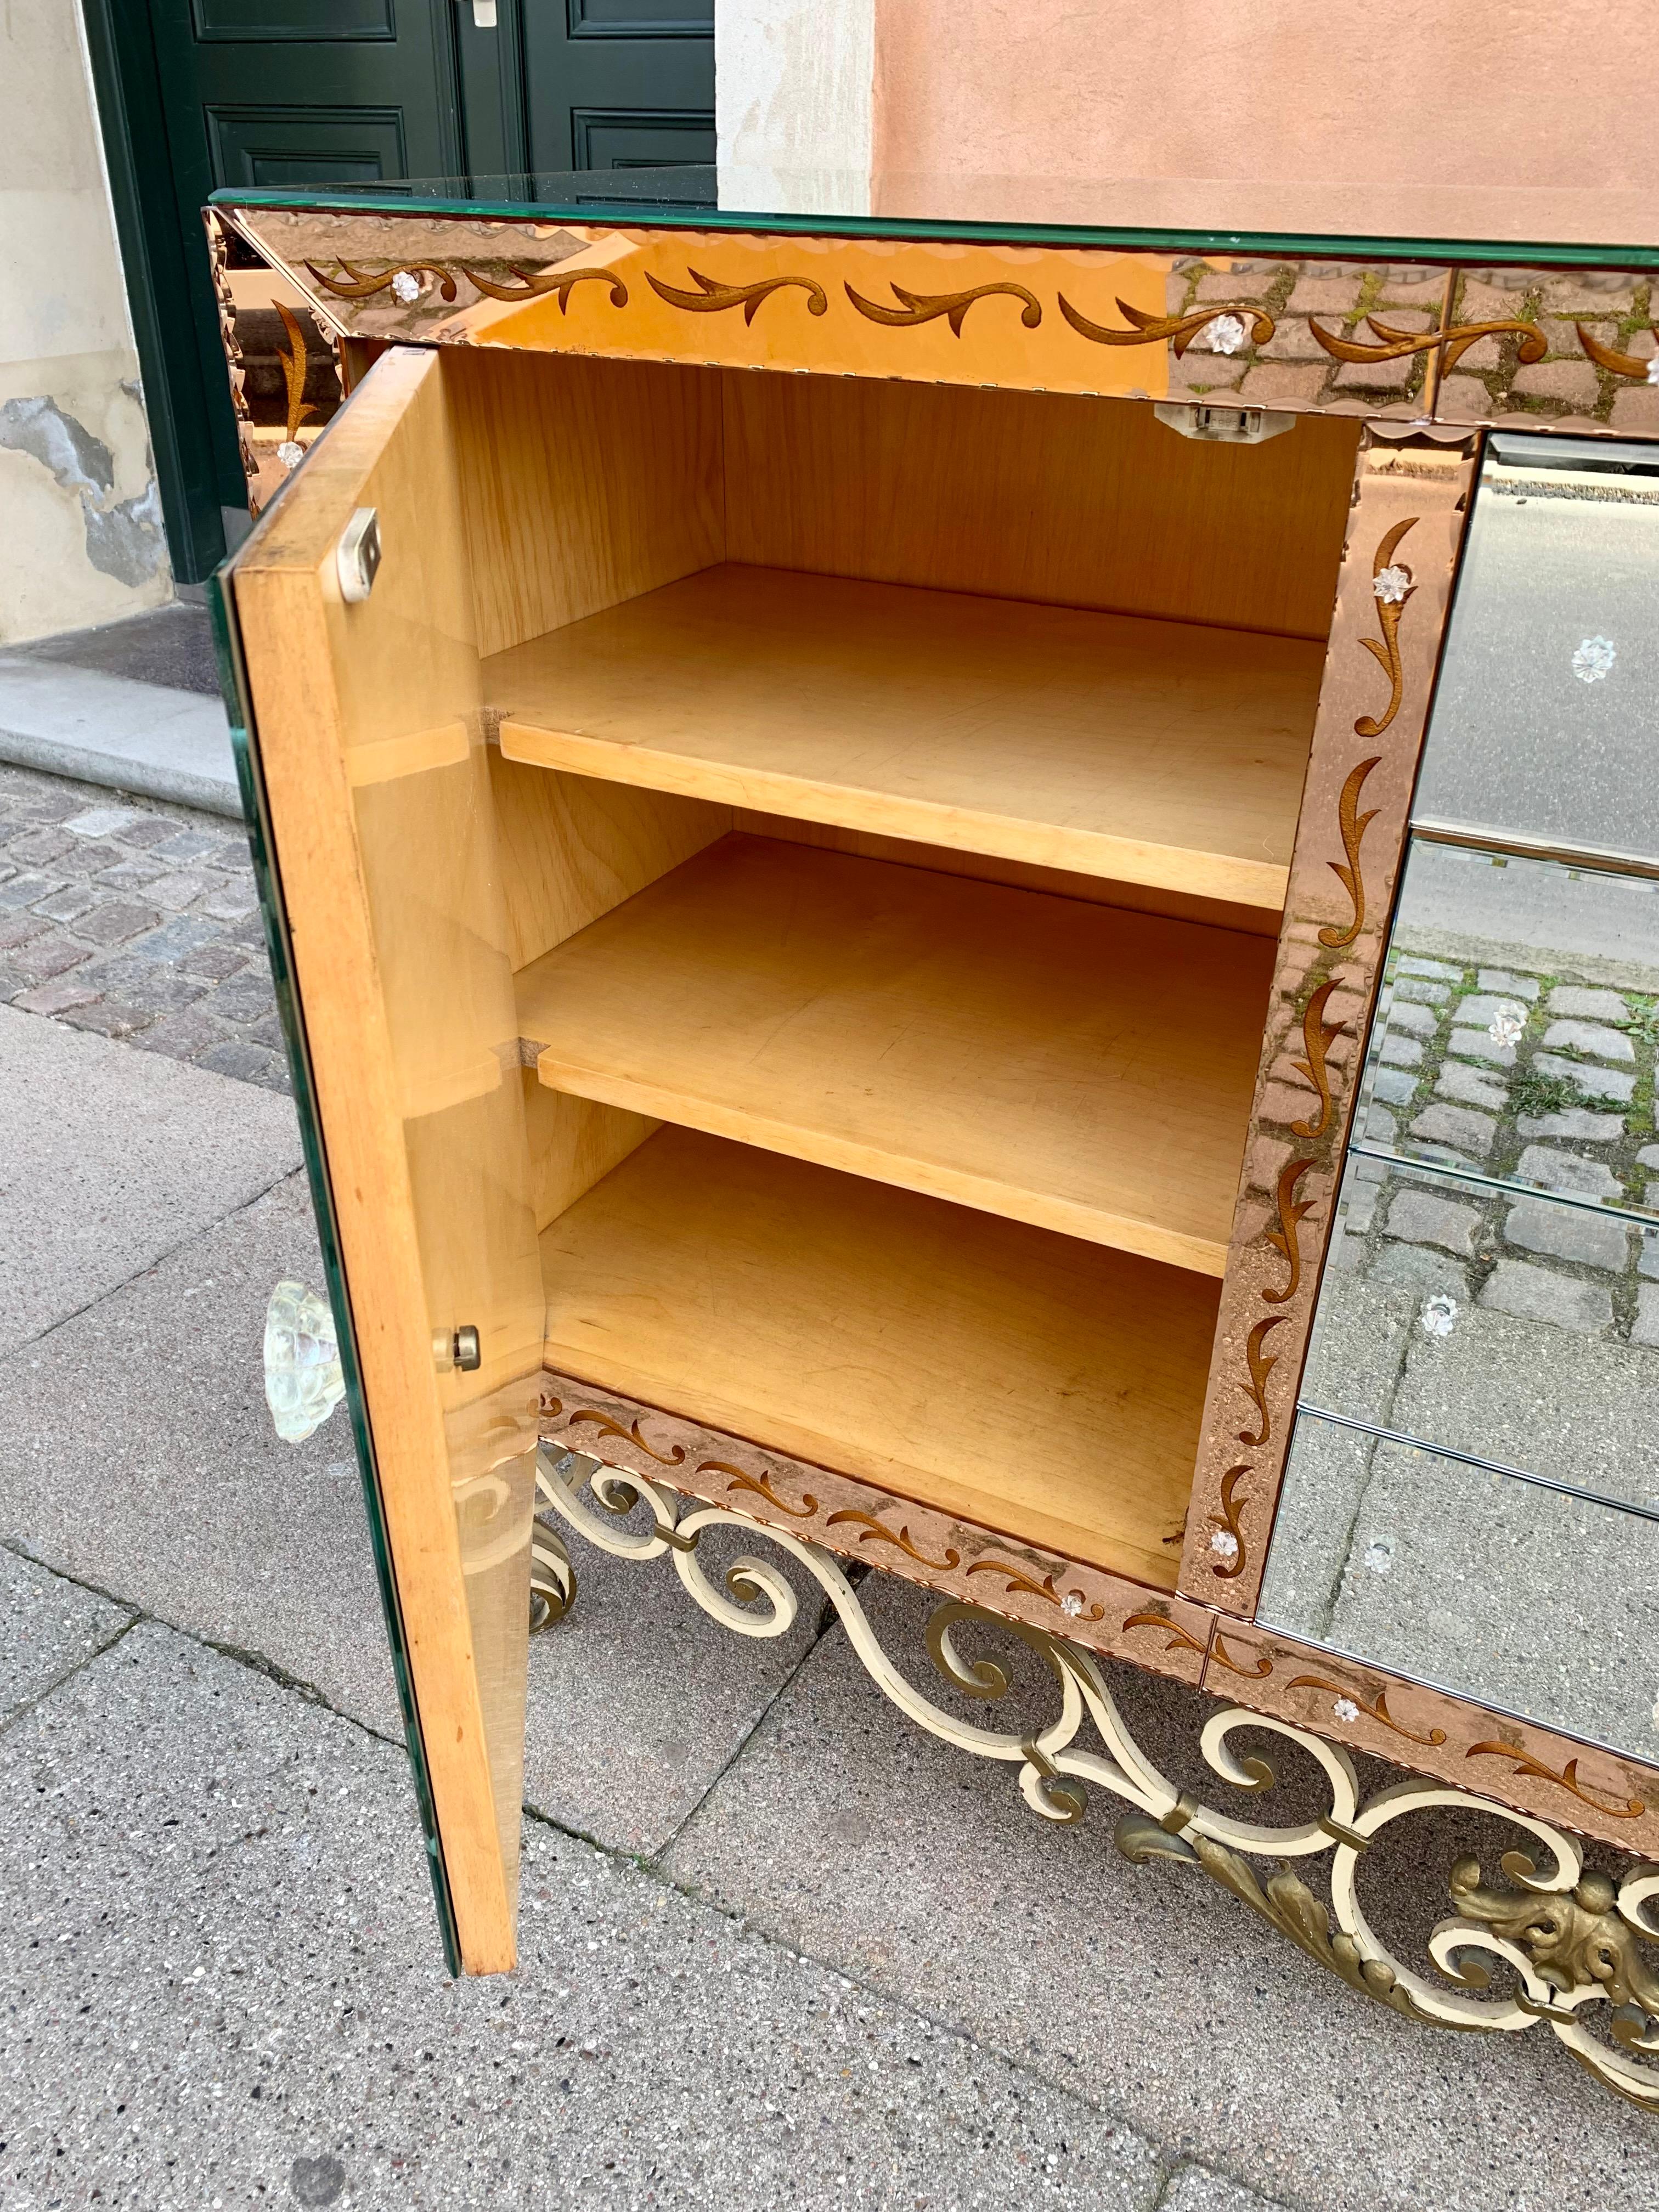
[[777, 1947]]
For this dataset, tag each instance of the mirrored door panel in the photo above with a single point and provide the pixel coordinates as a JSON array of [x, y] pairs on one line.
[[1516, 1030], [1535, 1601], [1551, 679], [1472, 1497]]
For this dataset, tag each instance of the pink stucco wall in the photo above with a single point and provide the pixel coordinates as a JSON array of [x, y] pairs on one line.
[[1495, 118]]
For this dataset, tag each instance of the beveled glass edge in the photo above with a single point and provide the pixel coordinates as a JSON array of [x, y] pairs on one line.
[[1573, 1490], [250, 782], [1367, 1148], [668, 214]]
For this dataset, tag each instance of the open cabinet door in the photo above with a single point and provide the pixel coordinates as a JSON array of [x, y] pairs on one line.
[[366, 770]]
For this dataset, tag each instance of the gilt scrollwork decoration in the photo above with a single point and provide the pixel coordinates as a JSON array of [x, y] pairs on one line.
[[530, 283], [713, 298], [916, 307], [1376, 1708], [1179, 330], [1318, 1035], [1617, 363], [365, 283], [1261, 1364], [1227, 1540], [878, 1531], [1570, 1940], [1352, 826], [1292, 1212], [1393, 343], [1524, 1762]]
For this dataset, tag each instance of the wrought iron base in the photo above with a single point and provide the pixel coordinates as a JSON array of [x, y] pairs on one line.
[[1572, 1938]]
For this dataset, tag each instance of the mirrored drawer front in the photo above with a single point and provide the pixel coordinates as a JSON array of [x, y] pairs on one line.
[[1538, 1602], [1550, 687], [1520, 1330], [1516, 1026]]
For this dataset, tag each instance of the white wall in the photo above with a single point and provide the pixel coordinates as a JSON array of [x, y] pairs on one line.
[[792, 83], [81, 537]]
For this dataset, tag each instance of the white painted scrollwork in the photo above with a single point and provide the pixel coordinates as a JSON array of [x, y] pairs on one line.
[[1570, 1939]]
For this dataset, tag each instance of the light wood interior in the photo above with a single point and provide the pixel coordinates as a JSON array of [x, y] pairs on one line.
[[1032, 1383], [1069, 1065], [1109, 744], [896, 788]]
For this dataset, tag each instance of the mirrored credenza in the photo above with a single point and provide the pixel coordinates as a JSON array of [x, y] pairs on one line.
[[986, 907]]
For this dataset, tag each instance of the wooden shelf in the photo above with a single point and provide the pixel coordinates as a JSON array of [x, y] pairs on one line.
[[1063, 1064], [1041, 1387], [1152, 752]]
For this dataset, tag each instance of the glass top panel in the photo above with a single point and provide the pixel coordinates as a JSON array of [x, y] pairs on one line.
[[1499, 221]]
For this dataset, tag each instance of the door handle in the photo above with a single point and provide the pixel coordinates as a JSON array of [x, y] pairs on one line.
[[483, 14]]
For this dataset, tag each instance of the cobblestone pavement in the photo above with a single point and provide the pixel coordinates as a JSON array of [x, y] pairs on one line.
[[1489, 381], [138, 920]]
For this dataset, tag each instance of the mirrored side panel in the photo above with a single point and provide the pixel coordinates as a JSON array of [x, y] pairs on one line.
[[1471, 1498], [1544, 717]]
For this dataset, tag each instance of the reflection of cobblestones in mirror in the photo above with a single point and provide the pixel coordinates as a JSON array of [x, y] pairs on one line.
[[1512, 1318]]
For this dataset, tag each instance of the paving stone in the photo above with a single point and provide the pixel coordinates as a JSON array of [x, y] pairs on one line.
[[1411, 964], [1482, 302], [1516, 1286], [183, 934], [1358, 1206], [187, 845], [274, 1934], [1589, 1036], [1648, 1253], [230, 903], [1416, 1021], [109, 1018], [1272, 383], [38, 848], [1413, 1267], [1636, 411], [1375, 375], [1293, 341], [113, 1157], [1245, 280], [1569, 1232], [46, 956], [179, 888], [131, 875], [1395, 1086], [67, 905], [1328, 296], [1648, 1156], [1458, 1126], [248, 1063], [1417, 988], [1590, 292], [1381, 1127], [1471, 1086], [56, 997], [116, 922], [1644, 1329], [48, 1628], [1574, 383], [1400, 1052], [1423, 1218], [1573, 1121], [24, 889], [1603, 1082], [218, 960], [1462, 399], [1556, 1171], [1481, 1009], [17, 929], [246, 996], [1477, 1044], [1499, 979], [183, 1035], [105, 821], [151, 830], [1581, 1004]]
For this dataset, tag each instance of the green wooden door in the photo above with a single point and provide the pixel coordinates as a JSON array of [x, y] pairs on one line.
[[619, 84]]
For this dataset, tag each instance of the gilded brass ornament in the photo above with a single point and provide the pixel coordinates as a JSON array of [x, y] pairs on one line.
[[1569, 1939]]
